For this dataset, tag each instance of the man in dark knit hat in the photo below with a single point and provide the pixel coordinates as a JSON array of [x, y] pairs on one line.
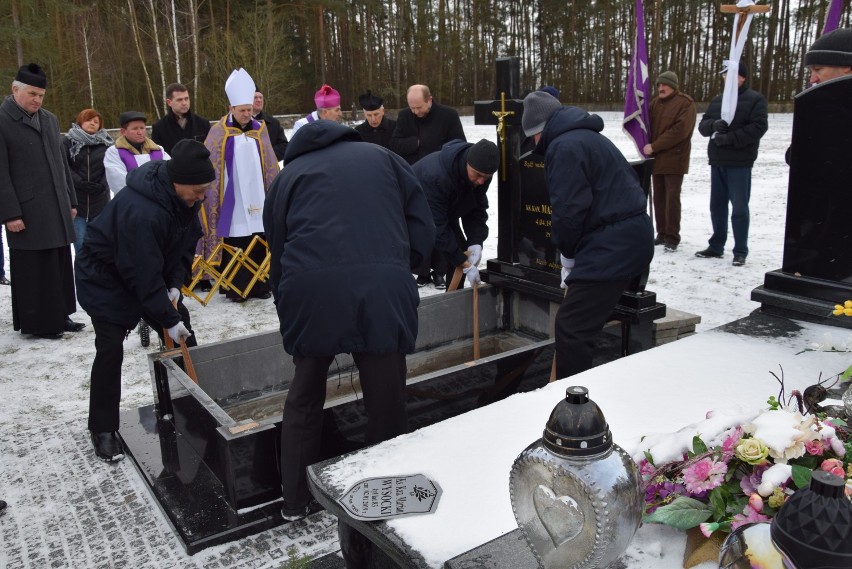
[[376, 128], [598, 221], [137, 253], [455, 180], [37, 206], [830, 56], [732, 150], [672, 122]]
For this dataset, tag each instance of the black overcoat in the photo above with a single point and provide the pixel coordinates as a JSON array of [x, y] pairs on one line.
[[346, 221], [35, 181], [167, 132], [750, 123], [414, 137], [89, 175]]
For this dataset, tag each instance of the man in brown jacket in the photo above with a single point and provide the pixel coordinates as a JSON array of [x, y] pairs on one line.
[[672, 122]]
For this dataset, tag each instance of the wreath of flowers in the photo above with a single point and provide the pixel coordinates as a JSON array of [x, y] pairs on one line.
[[744, 465]]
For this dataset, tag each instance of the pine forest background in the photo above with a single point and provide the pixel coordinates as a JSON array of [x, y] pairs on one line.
[[116, 55]]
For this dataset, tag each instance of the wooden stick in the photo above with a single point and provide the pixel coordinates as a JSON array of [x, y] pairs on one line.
[[187, 362], [475, 321], [457, 278]]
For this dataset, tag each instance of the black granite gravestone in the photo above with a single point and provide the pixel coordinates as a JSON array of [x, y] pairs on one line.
[[527, 260], [816, 272]]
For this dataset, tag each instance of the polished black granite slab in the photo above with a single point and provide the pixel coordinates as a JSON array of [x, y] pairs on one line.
[[188, 493]]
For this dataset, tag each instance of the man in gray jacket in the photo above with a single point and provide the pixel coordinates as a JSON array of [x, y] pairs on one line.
[[37, 206]]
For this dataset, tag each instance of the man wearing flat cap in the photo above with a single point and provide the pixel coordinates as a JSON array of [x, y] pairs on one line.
[[598, 222], [132, 149], [37, 206], [376, 128], [455, 180], [136, 254]]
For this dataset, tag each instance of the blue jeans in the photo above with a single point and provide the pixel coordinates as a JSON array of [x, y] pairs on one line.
[[80, 224], [730, 184]]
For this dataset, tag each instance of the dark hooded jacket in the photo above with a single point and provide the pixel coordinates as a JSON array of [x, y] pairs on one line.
[[141, 245], [748, 126], [598, 207], [346, 221], [452, 198]]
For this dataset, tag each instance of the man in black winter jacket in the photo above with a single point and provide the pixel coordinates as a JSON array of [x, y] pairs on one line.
[[456, 180], [179, 123], [732, 150], [136, 254], [346, 221]]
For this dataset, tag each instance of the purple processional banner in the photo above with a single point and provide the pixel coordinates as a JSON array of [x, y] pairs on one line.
[[637, 124], [832, 19]]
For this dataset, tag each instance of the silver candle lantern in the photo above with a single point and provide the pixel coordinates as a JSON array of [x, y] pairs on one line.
[[575, 494]]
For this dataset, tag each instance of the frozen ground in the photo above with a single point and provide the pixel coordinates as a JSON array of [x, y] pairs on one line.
[[68, 510]]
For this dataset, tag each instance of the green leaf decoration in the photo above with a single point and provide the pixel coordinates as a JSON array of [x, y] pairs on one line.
[[698, 445], [683, 513], [649, 458], [801, 476]]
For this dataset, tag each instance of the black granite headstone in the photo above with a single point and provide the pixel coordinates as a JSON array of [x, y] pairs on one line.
[[527, 259], [816, 272]]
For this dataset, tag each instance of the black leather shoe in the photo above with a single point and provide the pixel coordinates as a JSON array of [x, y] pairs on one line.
[[205, 285], [293, 514], [739, 260], [708, 254], [263, 295], [659, 241], [107, 446], [71, 326], [57, 336], [5, 281], [423, 281], [439, 281], [670, 247]]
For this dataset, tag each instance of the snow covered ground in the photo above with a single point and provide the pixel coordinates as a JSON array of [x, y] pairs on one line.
[[44, 383]]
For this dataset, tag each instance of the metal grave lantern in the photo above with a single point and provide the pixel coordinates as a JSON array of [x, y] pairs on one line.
[[575, 494]]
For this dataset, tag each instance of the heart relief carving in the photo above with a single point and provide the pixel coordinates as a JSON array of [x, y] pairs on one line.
[[560, 515]]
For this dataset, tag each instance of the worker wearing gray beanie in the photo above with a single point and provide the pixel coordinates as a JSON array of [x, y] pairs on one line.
[[830, 56], [597, 221], [538, 107]]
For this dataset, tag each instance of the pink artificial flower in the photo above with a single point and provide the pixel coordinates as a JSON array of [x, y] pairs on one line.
[[748, 516], [756, 502], [707, 528], [646, 469], [814, 448], [730, 443], [704, 475], [833, 466]]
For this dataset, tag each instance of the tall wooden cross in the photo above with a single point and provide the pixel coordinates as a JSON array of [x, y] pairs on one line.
[[743, 12]]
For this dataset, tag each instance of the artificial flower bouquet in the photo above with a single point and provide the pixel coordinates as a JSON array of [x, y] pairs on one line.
[[739, 466]]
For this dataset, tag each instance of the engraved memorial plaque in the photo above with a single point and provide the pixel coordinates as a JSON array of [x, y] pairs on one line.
[[387, 497], [535, 249]]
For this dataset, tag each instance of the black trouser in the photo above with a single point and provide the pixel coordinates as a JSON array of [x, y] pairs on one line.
[[382, 379], [432, 264], [581, 316], [105, 383]]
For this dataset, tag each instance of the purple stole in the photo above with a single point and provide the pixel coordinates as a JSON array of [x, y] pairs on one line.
[[226, 211], [310, 118], [130, 162]]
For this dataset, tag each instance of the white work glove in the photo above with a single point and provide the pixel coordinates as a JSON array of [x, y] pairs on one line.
[[567, 265], [472, 274], [475, 255], [174, 295], [178, 331]]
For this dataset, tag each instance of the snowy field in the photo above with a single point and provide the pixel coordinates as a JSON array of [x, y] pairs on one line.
[[44, 383]]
